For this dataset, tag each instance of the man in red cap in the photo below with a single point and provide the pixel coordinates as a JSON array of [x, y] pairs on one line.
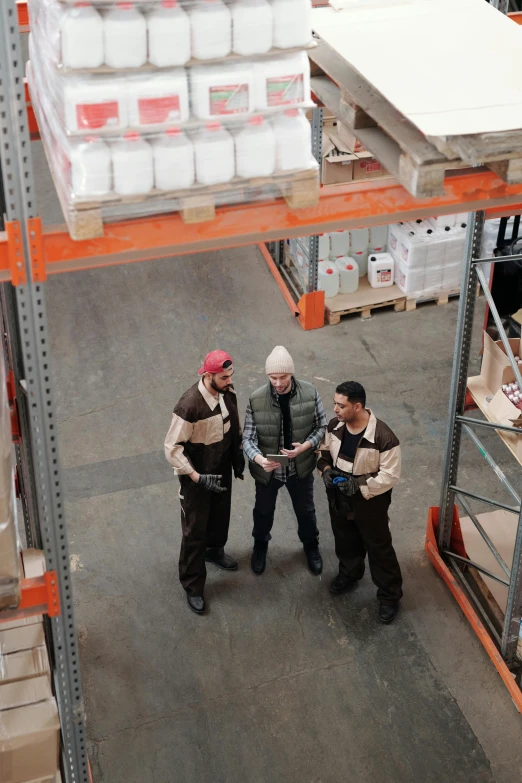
[[203, 445]]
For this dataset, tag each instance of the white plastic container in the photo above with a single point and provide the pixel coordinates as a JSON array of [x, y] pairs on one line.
[[214, 155], [252, 27], [362, 261], [328, 280], [156, 99], [222, 90], [168, 29], [255, 149], [293, 134], [443, 221], [81, 29], [292, 23], [323, 247], [282, 81], [132, 165], [211, 29], [90, 167], [339, 244], [125, 36], [93, 104], [378, 239], [348, 269], [381, 267], [173, 161], [359, 239]]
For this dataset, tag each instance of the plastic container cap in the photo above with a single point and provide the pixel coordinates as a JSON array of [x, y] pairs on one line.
[[256, 120], [214, 125], [349, 266], [373, 258], [132, 136], [81, 5], [291, 113], [173, 131], [329, 271], [169, 3], [124, 6]]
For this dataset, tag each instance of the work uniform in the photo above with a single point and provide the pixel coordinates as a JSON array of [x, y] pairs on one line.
[[360, 522], [204, 436], [274, 421]]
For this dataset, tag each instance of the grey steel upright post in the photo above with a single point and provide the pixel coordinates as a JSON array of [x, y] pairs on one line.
[[16, 163], [313, 244], [468, 294]]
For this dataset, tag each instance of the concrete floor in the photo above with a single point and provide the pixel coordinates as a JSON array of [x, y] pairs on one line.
[[280, 681]]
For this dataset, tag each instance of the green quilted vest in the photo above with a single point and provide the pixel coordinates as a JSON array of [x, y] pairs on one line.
[[269, 421]]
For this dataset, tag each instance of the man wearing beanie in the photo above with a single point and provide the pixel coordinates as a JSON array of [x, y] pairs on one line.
[[284, 416], [203, 445]]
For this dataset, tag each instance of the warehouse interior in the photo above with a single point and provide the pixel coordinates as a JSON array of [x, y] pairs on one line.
[[279, 679]]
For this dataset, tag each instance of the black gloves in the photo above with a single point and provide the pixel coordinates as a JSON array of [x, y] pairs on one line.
[[211, 483], [348, 487], [241, 464], [328, 476]]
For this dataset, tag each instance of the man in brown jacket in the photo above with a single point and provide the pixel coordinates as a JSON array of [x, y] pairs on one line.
[[203, 445], [360, 462]]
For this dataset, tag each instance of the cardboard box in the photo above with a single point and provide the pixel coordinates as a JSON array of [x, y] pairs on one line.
[[348, 138], [367, 167], [7, 625], [29, 742], [24, 638], [34, 563], [496, 369], [337, 166], [19, 694], [24, 665], [502, 411]]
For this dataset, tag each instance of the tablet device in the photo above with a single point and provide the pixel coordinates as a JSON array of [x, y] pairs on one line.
[[281, 458]]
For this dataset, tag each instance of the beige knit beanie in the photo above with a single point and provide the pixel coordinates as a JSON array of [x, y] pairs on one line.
[[279, 361]]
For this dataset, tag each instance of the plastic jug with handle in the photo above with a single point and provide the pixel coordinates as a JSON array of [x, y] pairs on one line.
[[348, 269]]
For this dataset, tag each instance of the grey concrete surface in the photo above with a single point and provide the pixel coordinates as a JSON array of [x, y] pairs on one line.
[[280, 681]]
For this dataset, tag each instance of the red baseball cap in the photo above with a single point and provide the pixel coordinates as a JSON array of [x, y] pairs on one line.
[[214, 362]]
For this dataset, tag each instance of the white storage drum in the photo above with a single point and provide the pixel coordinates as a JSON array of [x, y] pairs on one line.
[[211, 29], [293, 135], [255, 149], [214, 154], [169, 35], [252, 23], [173, 161], [222, 90], [81, 29], [283, 81], [156, 99], [125, 35], [292, 23], [381, 270], [90, 167], [93, 103], [132, 165]]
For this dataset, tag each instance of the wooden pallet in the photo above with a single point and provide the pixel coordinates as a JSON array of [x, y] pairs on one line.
[[363, 301], [419, 163], [440, 299]]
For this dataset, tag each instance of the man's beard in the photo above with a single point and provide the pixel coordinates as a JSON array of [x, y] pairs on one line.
[[216, 387]]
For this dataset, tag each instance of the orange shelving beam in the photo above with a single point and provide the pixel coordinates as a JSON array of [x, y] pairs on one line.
[[39, 595]]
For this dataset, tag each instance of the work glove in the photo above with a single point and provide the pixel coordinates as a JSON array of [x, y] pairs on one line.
[[238, 473], [347, 485], [328, 477], [211, 482]]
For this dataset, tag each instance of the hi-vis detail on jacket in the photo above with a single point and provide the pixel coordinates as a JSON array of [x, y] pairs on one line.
[[201, 430], [377, 461]]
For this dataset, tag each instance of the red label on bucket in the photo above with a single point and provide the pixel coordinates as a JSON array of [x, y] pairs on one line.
[[284, 90], [229, 99], [97, 115]]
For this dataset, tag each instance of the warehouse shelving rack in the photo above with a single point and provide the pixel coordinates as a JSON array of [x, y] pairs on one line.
[[30, 252]]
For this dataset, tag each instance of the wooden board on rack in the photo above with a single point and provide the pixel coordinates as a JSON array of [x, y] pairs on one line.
[[480, 392], [363, 301], [441, 298]]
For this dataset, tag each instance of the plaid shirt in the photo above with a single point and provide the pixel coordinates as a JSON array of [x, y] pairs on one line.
[[250, 443]]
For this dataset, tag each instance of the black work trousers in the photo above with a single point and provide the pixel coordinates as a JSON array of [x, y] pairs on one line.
[[301, 493], [357, 532], [205, 518]]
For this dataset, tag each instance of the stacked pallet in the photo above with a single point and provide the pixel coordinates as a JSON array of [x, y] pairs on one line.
[[418, 162]]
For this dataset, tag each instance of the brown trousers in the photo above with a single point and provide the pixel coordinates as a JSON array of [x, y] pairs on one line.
[[205, 517], [356, 534]]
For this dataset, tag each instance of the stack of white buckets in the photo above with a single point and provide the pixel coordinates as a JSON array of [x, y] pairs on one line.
[[343, 259]]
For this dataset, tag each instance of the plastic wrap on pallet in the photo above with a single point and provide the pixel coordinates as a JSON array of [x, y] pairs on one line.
[[163, 34], [150, 102], [9, 545]]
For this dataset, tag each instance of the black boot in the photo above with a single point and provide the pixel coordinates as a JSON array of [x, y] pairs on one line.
[[196, 603], [219, 558], [388, 612], [341, 583], [258, 560], [315, 561]]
